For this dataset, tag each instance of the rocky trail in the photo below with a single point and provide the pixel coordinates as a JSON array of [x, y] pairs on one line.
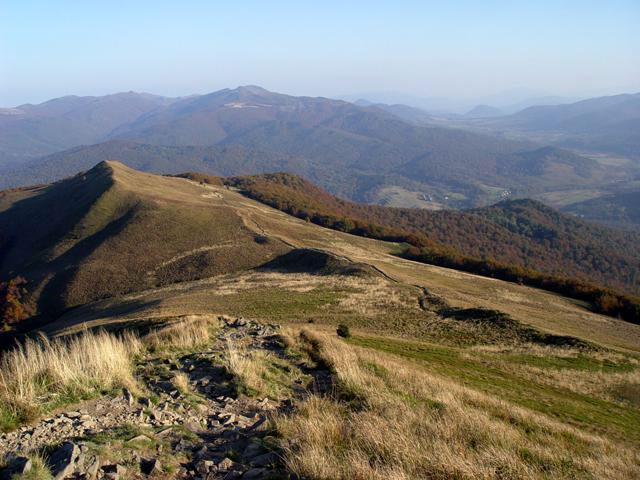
[[202, 429]]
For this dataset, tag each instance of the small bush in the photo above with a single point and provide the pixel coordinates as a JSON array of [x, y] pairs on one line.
[[261, 239], [343, 331]]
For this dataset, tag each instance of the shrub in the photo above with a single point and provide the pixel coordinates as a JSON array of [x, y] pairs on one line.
[[13, 304], [343, 331]]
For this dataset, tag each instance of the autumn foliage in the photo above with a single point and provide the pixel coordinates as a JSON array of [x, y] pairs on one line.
[[528, 244], [13, 303]]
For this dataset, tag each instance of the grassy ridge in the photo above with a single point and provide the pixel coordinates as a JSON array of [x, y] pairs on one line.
[[521, 241], [113, 230]]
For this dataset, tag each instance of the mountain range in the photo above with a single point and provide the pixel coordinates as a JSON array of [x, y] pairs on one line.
[[358, 152], [29, 131]]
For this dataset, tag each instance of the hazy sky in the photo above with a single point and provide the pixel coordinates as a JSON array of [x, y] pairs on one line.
[[424, 48]]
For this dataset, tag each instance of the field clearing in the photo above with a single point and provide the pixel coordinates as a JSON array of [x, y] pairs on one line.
[[563, 198], [395, 196]]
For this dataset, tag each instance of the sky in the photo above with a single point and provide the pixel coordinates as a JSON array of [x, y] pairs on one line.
[[461, 49]]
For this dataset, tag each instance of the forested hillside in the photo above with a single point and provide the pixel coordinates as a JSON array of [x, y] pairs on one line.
[[519, 240]]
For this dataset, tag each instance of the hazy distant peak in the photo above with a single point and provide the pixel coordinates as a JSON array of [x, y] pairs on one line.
[[484, 111], [253, 89]]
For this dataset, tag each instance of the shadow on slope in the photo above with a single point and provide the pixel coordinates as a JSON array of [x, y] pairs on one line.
[[494, 326], [318, 262]]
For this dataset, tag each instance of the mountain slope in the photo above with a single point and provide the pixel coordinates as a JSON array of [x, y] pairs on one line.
[[436, 361], [168, 240], [524, 233], [113, 230]]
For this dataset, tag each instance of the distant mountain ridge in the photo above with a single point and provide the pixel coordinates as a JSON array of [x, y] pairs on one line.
[[484, 111], [218, 160], [352, 151], [29, 131], [608, 124]]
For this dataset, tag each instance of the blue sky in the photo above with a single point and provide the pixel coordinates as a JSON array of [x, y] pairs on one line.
[[456, 49]]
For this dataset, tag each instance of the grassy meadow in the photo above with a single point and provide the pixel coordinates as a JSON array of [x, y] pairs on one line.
[[404, 410]]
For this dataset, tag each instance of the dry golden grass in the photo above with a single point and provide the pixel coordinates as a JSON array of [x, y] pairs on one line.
[[597, 384], [181, 382], [248, 367], [259, 372], [189, 332], [376, 296], [389, 419], [42, 374]]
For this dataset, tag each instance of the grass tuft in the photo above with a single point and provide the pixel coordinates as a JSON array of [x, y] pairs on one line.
[[188, 333], [43, 374], [260, 373], [181, 383], [39, 469]]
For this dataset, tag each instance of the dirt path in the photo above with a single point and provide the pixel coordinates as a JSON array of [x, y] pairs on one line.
[[204, 430]]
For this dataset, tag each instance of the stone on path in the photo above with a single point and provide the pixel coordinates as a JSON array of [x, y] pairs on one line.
[[150, 466], [63, 461]]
